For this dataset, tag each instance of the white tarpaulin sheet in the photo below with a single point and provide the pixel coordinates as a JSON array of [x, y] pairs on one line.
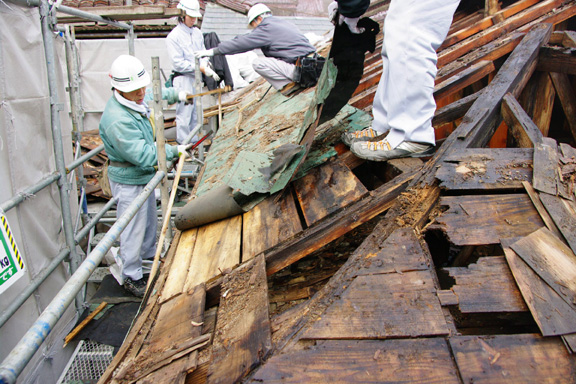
[[27, 156]]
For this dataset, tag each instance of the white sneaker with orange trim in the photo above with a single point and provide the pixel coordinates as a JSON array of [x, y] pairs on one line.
[[365, 134], [382, 150]]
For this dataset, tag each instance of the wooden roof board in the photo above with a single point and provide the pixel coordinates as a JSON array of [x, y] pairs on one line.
[[478, 359], [363, 361], [527, 358]]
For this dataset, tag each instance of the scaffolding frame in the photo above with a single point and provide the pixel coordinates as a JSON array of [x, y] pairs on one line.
[[80, 270]]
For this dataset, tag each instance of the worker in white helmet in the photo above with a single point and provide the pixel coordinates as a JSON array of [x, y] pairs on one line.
[[182, 42], [127, 131], [404, 102], [280, 41]]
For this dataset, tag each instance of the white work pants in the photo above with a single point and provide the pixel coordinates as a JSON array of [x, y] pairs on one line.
[[186, 116], [139, 237], [275, 71], [404, 102]]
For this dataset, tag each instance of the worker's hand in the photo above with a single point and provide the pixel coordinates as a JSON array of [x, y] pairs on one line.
[[333, 12], [210, 72], [183, 95], [204, 53], [182, 149]]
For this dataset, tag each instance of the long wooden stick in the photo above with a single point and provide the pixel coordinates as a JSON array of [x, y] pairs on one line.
[[169, 215], [166, 220], [84, 322]]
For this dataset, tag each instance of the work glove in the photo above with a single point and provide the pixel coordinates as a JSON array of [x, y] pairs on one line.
[[182, 149], [183, 95], [332, 12], [204, 53], [210, 73]]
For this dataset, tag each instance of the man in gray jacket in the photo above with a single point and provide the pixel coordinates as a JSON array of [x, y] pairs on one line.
[[280, 41]]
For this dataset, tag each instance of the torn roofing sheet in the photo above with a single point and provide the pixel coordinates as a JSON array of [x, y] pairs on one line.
[[258, 147]]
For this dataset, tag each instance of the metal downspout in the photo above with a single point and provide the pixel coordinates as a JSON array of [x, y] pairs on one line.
[[55, 107], [15, 362]]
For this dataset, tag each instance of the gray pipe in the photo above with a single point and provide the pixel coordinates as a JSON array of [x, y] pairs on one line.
[[29, 191], [63, 186], [75, 12], [15, 362]]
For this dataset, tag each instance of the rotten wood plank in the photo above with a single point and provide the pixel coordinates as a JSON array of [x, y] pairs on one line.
[[481, 220], [174, 324], [217, 249], [364, 361], [486, 169], [552, 260], [242, 336], [487, 286], [552, 314], [524, 131], [535, 197], [546, 167], [179, 268], [268, 224], [383, 306], [324, 232], [142, 325], [514, 359], [401, 252], [327, 189]]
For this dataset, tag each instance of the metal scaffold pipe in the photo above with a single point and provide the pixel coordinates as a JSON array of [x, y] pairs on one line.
[[15, 362], [75, 12]]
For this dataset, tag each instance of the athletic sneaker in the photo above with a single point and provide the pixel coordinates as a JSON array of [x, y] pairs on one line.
[[382, 151], [135, 287], [365, 134]]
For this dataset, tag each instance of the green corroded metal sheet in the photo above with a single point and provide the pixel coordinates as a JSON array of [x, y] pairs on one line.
[[329, 133], [244, 176], [258, 149]]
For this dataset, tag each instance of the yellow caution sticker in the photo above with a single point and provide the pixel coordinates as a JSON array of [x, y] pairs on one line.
[[11, 263]]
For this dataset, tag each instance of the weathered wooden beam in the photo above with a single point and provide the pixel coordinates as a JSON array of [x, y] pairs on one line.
[[481, 120], [486, 22], [521, 127], [540, 108], [518, 21], [463, 79], [567, 99], [557, 59], [455, 110]]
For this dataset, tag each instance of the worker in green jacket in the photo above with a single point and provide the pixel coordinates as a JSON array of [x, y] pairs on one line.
[[128, 133]]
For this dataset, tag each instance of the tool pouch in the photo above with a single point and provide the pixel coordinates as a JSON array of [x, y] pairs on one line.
[[308, 69], [170, 82], [102, 177]]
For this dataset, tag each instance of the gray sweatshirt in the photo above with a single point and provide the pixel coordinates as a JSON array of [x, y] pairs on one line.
[[276, 38]]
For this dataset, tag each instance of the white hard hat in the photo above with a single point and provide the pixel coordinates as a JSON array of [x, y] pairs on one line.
[[127, 74], [191, 7], [257, 10]]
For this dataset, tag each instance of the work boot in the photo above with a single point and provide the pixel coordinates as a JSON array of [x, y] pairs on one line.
[[365, 134], [135, 287], [290, 88], [382, 150]]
